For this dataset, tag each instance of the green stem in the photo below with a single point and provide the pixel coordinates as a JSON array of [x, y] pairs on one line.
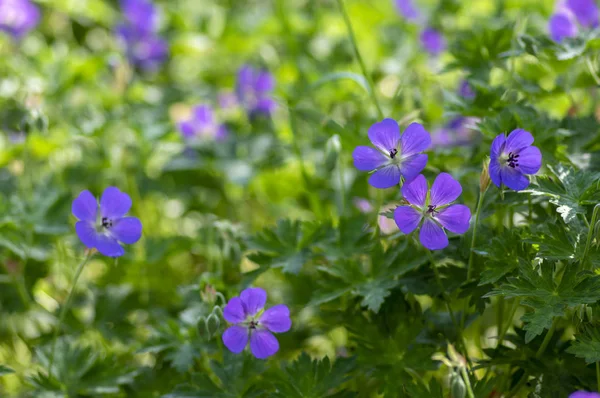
[[530, 213], [64, 309], [342, 186], [598, 375], [465, 376], [474, 237], [500, 316], [359, 58], [504, 330], [588, 242]]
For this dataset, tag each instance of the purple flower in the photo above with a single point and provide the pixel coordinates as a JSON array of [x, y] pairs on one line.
[[434, 210], [465, 90], [105, 231], [251, 323], [569, 13], [432, 41], [253, 90], [140, 15], [584, 394], [396, 156], [513, 156], [17, 17], [407, 9], [203, 124], [562, 25], [586, 12], [363, 205], [144, 50]]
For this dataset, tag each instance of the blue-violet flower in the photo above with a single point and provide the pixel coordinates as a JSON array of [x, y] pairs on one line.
[[512, 157], [18, 17], [203, 124], [253, 89]]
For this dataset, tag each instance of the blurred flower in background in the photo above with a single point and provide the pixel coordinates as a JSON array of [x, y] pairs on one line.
[[569, 14], [459, 131], [253, 90], [18, 17], [144, 48], [407, 9], [433, 41], [465, 90], [202, 124]]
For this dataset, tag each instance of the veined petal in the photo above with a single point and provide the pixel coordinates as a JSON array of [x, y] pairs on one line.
[[495, 172], [432, 236], [514, 178], [385, 135], [234, 311], [87, 233], [497, 145], [530, 160], [455, 218], [263, 344], [385, 177], [85, 206], [415, 139], [127, 230], [253, 300], [445, 189], [367, 158], [108, 246], [407, 219], [235, 338], [276, 319], [517, 140], [114, 203], [415, 191], [413, 166]]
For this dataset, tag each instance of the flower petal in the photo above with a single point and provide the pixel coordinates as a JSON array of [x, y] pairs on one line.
[[204, 115], [586, 12], [114, 203], [514, 178], [455, 218], [264, 105], [415, 191], [235, 338], [187, 129], [530, 160], [109, 246], [127, 230], [385, 135], [85, 206], [253, 299], [87, 233], [234, 311], [445, 189], [495, 172], [276, 319], [497, 146], [413, 166], [263, 344], [518, 139], [367, 158], [561, 26], [264, 81], [432, 236], [415, 139], [385, 177], [407, 219]]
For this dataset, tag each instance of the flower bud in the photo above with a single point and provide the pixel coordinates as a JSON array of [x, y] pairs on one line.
[[333, 148], [457, 387], [484, 178], [212, 324], [209, 294]]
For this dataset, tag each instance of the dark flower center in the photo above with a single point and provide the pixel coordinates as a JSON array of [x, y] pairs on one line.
[[431, 209], [106, 222], [512, 160], [393, 153], [253, 324]]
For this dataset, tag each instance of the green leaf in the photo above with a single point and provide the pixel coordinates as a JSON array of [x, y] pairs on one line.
[[5, 370], [587, 345]]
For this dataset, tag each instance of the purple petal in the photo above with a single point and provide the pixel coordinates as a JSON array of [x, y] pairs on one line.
[[127, 230], [264, 82], [413, 166], [253, 300], [234, 311], [530, 160], [415, 139], [513, 178], [140, 13], [518, 139], [277, 319], [432, 41], [385, 135], [407, 9], [586, 12], [432, 236], [584, 394], [385, 177], [235, 338], [263, 344], [497, 146], [465, 90], [455, 218], [85, 206], [416, 191], [407, 219], [367, 158], [264, 105], [444, 190], [18, 17], [187, 129], [108, 246], [203, 115], [561, 26], [114, 203], [222, 133], [495, 172], [87, 233]]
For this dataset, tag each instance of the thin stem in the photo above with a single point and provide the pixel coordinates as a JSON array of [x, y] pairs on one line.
[[465, 376], [500, 315], [598, 374], [504, 330], [63, 310], [474, 237], [588, 242], [592, 70], [359, 58], [530, 213], [342, 185]]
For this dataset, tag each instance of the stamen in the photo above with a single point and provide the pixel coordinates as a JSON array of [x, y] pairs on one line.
[[253, 324], [512, 160], [393, 153], [431, 209], [106, 222]]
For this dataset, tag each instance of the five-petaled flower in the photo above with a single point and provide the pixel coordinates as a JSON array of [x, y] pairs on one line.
[[396, 155], [584, 394], [571, 13], [17, 17], [434, 210], [202, 124], [253, 89], [105, 230], [251, 323], [513, 156]]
